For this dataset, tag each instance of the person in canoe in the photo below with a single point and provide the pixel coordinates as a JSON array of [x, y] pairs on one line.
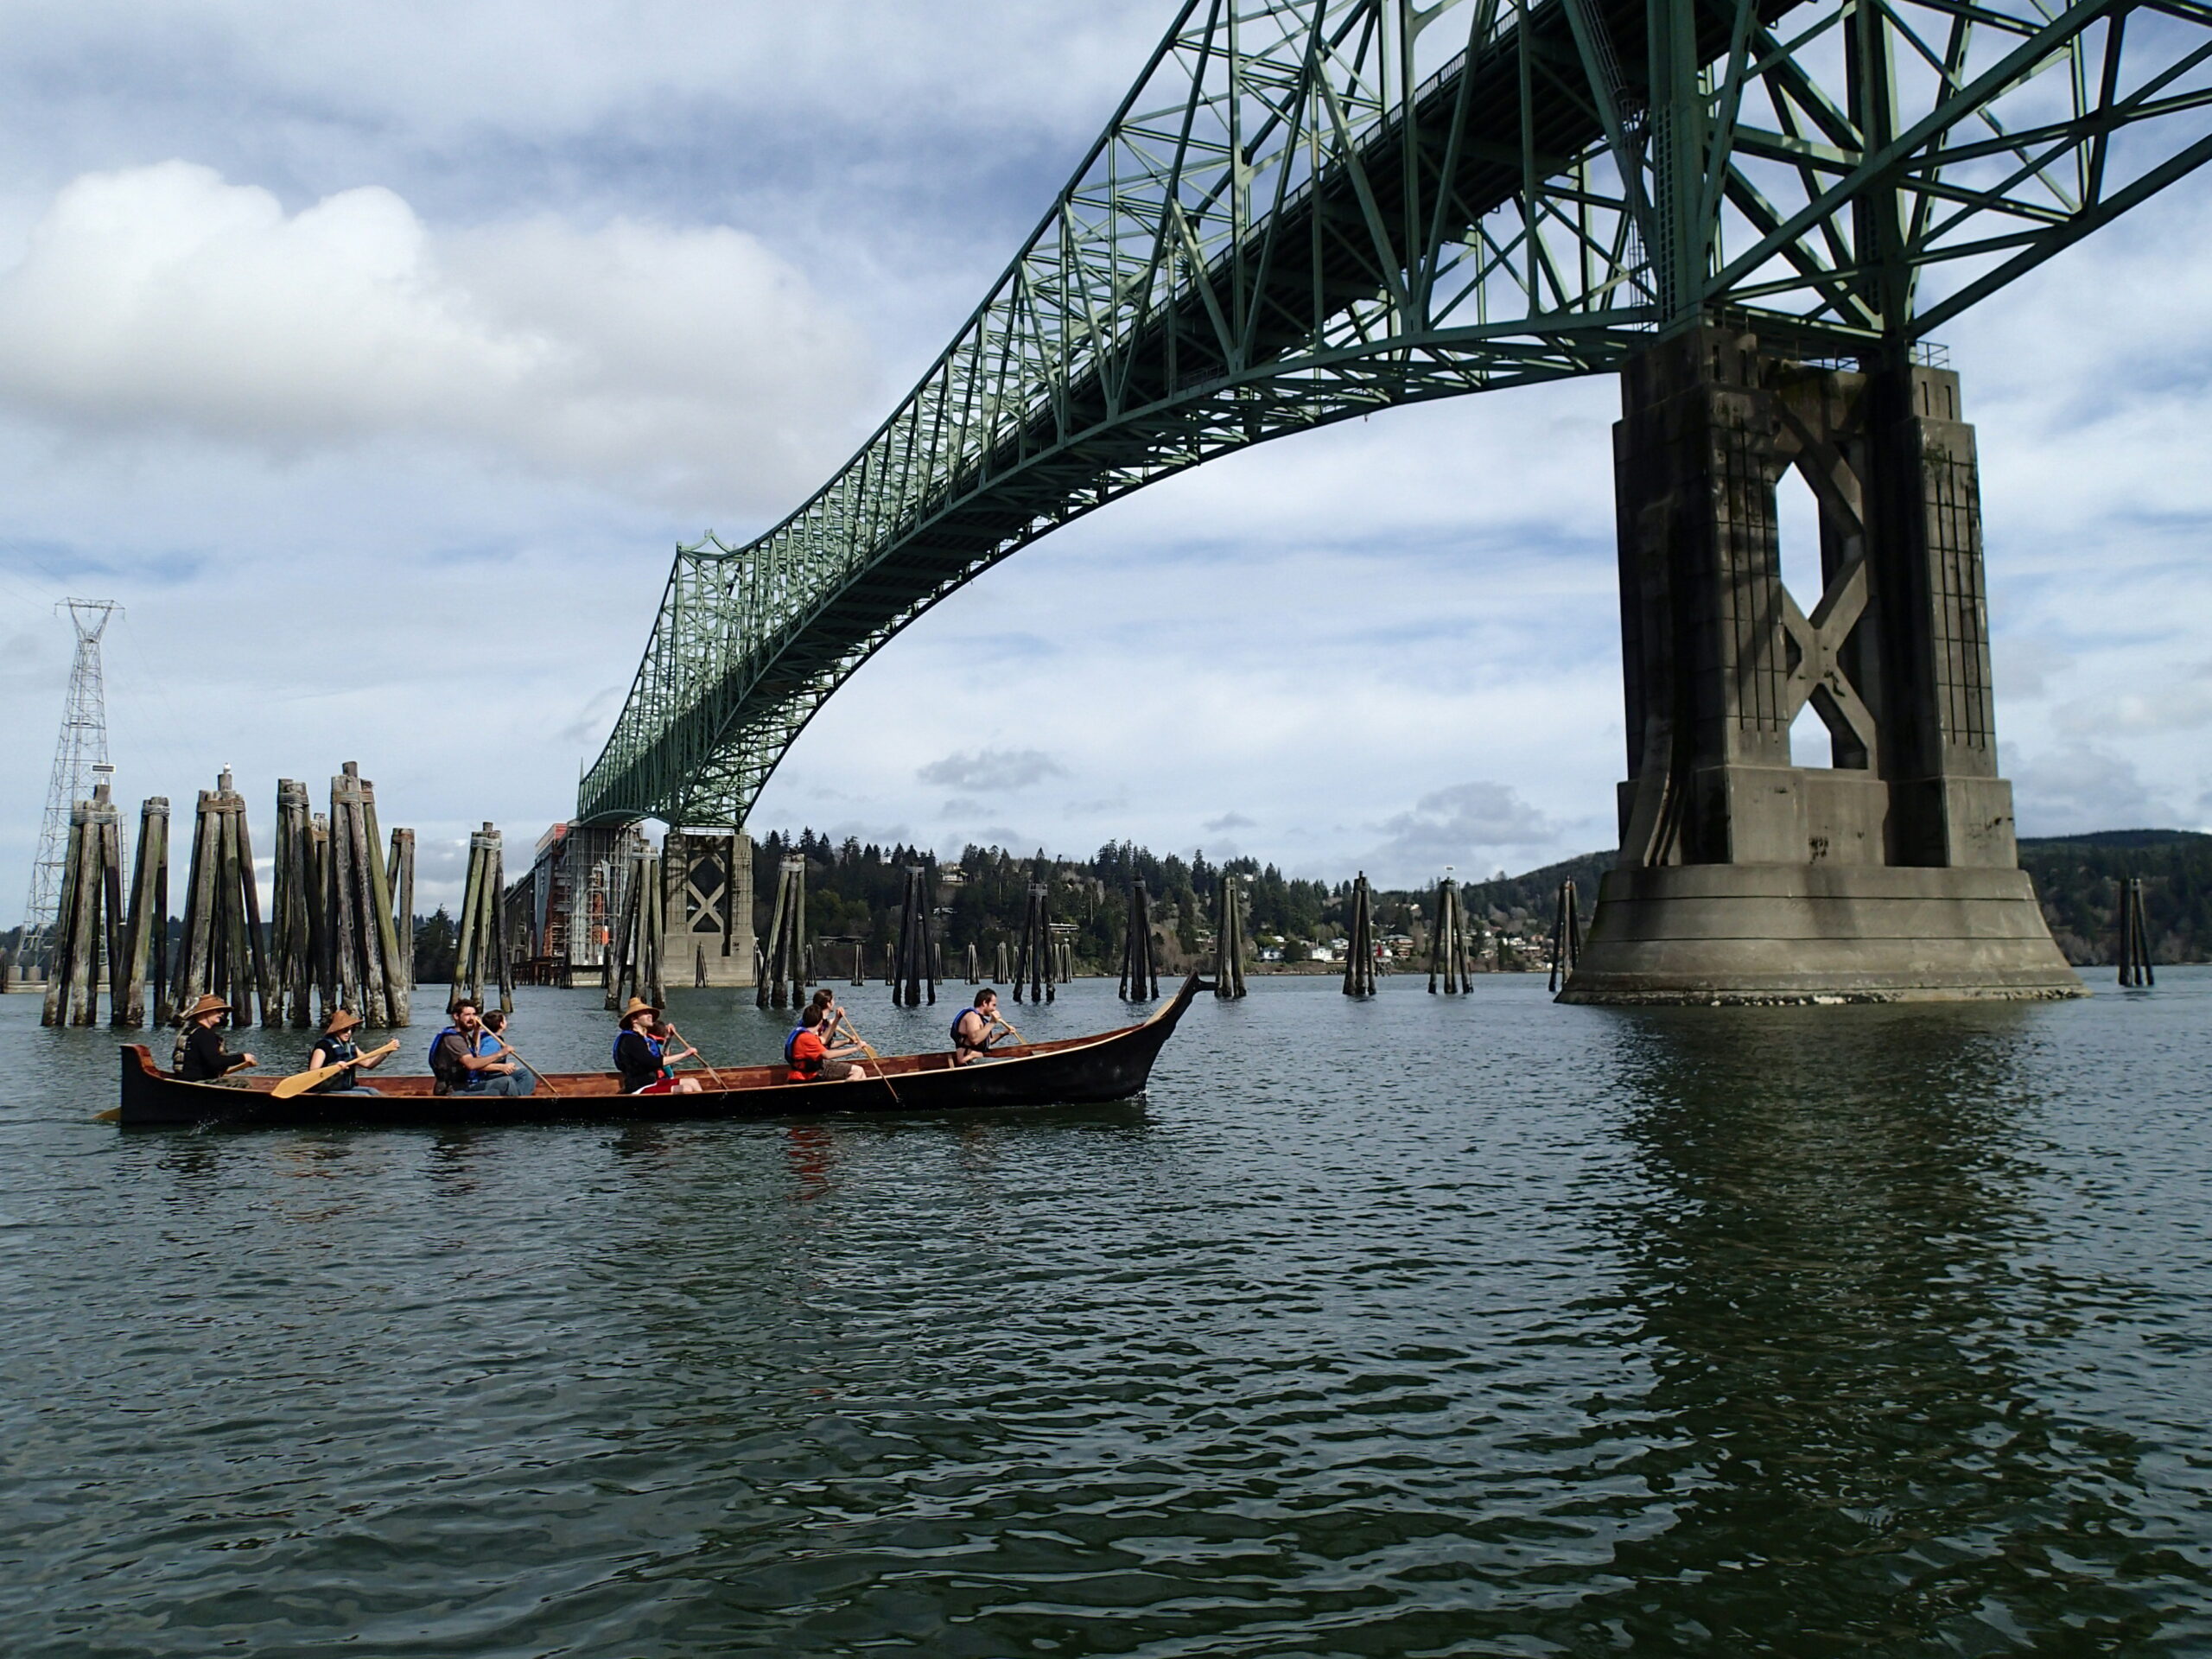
[[644, 1058], [467, 1059], [200, 1056], [335, 1047], [977, 1028], [811, 1060]]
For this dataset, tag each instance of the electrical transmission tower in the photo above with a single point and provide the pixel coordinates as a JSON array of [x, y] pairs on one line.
[[80, 749]]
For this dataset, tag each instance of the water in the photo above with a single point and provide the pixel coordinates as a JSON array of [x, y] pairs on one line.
[[1425, 1325]]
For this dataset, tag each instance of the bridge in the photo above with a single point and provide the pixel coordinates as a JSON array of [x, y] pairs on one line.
[[1308, 210]]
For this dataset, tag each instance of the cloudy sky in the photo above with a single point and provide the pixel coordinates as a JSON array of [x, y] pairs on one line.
[[375, 357]]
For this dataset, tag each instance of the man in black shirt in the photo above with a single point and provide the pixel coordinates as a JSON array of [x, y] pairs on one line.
[[204, 1057]]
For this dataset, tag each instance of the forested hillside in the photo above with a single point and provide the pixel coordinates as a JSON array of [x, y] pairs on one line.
[[854, 891]]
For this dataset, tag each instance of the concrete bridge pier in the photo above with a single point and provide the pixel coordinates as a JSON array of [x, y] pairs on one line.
[[1890, 874], [707, 875]]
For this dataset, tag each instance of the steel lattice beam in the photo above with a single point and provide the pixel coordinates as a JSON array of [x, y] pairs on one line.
[[1309, 209]]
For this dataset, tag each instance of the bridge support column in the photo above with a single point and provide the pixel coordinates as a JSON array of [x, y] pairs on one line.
[[708, 875], [1891, 873]]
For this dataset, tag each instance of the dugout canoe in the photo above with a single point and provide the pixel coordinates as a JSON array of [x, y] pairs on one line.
[[1076, 1070]]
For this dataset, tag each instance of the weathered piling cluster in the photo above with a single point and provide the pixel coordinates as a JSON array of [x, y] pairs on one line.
[[915, 964], [1034, 969], [1567, 936], [373, 979], [1359, 948], [341, 926], [2134, 953], [1450, 948], [299, 909], [221, 950], [481, 958], [1139, 972], [1228, 938], [784, 976], [635, 953], [89, 925], [399, 874], [146, 934]]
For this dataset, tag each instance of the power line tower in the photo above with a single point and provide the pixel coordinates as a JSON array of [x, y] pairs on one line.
[[80, 749]]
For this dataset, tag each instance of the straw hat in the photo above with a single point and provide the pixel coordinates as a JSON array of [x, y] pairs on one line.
[[210, 1003], [637, 1005], [339, 1020]]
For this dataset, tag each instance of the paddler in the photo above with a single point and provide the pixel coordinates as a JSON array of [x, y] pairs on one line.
[[811, 1060], [335, 1047], [466, 1059], [977, 1028], [201, 1057], [643, 1058]]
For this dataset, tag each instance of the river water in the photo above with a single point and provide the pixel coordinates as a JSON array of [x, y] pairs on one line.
[[1422, 1325]]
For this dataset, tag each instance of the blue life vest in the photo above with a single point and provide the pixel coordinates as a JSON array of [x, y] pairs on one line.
[[653, 1043], [450, 1031], [791, 1037], [957, 1044]]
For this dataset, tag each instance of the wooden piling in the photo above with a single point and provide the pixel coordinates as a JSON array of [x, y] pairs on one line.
[[1033, 970], [1228, 938], [399, 869], [323, 945], [146, 933], [2134, 956], [368, 974], [1359, 956], [1451, 952], [480, 956], [221, 951], [914, 967], [634, 957], [88, 932], [293, 935], [1567, 936], [1140, 973], [783, 952]]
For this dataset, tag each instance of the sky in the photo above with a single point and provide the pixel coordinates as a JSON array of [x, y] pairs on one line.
[[375, 359]]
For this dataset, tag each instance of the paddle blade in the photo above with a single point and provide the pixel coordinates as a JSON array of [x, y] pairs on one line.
[[299, 1082], [113, 1115]]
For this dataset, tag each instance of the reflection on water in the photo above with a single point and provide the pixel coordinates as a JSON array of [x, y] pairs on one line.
[[1838, 1279], [1468, 1325]]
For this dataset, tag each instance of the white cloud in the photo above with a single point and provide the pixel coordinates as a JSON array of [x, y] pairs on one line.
[[2080, 788], [990, 770], [691, 365], [1463, 825]]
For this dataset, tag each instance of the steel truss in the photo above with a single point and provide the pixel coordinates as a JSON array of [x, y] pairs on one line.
[[1310, 209]]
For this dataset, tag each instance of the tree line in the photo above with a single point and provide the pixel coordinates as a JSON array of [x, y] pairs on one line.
[[854, 891]]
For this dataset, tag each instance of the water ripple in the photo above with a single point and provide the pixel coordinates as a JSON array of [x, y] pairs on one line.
[[1420, 1327]]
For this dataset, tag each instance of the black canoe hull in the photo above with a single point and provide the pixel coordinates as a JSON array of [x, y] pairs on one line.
[[1113, 1065]]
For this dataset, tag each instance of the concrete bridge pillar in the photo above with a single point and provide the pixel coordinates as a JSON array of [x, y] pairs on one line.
[[707, 877], [1890, 874]]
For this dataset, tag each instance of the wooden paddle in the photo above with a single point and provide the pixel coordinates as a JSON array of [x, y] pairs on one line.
[[528, 1067], [697, 1055], [299, 1082], [845, 1024], [867, 1048]]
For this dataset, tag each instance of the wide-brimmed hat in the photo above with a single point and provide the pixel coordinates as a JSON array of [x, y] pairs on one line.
[[637, 1005], [210, 1003], [340, 1020]]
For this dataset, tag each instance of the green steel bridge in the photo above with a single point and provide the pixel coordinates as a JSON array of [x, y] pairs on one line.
[[1308, 210]]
